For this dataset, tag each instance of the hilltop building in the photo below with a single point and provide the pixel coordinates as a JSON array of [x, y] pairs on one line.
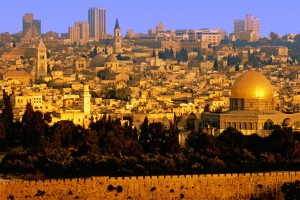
[[251, 108]]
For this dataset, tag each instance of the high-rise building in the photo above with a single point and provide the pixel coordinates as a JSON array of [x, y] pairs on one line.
[[252, 23], [97, 22], [239, 25], [247, 29], [27, 23], [31, 26], [79, 33]]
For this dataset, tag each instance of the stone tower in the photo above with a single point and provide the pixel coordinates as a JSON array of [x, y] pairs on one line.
[[41, 67], [117, 38], [86, 99]]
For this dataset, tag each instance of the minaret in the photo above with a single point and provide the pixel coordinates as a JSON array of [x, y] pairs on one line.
[[86, 99], [117, 38], [41, 67], [156, 58]]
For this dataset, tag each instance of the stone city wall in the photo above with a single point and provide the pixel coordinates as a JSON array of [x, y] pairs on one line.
[[216, 186]]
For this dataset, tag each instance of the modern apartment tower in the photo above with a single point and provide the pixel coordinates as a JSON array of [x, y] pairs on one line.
[[79, 33], [252, 23], [239, 25], [247, 29], [97, 22], [31, 26]]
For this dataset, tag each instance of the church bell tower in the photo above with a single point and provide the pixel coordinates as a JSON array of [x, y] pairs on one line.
[[41, 67], [117, 38]]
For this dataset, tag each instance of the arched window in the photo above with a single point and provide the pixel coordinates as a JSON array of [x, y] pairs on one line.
[[268, 125]]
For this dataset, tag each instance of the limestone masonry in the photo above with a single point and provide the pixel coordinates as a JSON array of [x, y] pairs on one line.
[[216, 186]]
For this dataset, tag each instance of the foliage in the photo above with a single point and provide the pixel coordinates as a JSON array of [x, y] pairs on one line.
[[6, 117], [121, 94], [120, 57], [233, 60], [167, 54], [107, 147], [291, 190], [182, 55]]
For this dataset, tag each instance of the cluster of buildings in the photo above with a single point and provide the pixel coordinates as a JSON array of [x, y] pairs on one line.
[[247, 29], [94, 29], [125, 78], [31, 26]]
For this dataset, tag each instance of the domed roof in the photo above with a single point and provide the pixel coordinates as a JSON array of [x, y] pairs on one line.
[[288, 122], [97, 61], [56, 68], [252, 85], [111, 58], [58, 81]]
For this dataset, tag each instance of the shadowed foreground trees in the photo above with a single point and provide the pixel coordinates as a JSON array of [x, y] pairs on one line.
[[109, 148]]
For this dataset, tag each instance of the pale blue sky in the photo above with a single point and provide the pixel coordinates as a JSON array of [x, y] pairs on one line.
[[140, 15]]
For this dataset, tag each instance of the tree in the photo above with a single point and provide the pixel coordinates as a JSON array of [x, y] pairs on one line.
[[144, 136], [2, 136], [199, 56], [120, 57], [35, 126], [94, 52], [135, 134], [172, 143], [216, 65], [29, 137], [297, 38], [237, 67], [7, 113], [66, 134], [271, 60], [282, 142], [171, 54], [182, 55], [207, 108], [274, 36], [153, 53]]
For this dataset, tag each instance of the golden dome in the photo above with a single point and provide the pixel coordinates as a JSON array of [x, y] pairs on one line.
[[252, 85]]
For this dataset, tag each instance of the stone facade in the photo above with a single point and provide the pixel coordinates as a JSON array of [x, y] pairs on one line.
[[41, 68], [216, 186]]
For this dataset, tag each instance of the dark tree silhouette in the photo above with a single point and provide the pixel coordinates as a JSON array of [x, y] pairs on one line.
[[7, 113], [144, 135]]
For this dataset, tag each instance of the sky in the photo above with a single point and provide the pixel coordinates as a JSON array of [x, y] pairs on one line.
[[281, 17]]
